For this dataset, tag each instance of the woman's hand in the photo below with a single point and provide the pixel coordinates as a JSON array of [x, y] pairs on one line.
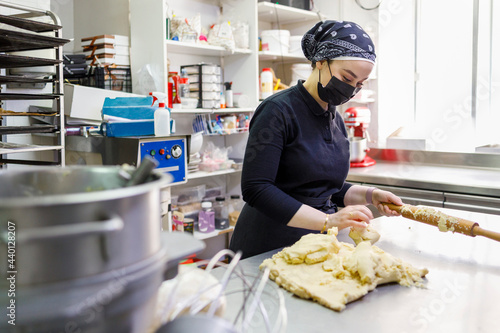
[[380, 196], [351, 216]]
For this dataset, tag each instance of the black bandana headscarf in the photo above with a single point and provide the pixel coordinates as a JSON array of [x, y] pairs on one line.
[[333, 39]]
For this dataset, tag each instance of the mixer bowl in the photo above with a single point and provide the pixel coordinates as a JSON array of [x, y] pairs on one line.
[[358, 149]]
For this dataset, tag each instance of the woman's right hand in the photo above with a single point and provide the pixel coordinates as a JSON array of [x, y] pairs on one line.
[[351, 216]]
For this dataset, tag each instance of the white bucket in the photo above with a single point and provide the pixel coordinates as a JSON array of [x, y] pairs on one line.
[[275, 41], [295, 48], [300, 72]]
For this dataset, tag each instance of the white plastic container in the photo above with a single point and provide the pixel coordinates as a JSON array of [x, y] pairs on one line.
[[266, 83], [295, 47], [276, 41], [162, 121], [300, 72]]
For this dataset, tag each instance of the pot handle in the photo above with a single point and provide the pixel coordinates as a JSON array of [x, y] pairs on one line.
[[114, 223]]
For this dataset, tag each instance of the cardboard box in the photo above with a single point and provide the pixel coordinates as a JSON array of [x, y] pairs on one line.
[[86, 102], [105, 39]]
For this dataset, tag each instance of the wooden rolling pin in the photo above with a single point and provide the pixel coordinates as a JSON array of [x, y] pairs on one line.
[[442, 221]]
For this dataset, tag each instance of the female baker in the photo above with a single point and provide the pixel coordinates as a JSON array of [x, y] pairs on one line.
[[297, 156]]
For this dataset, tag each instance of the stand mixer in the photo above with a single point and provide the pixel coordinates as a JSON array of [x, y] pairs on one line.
[[356, 120]]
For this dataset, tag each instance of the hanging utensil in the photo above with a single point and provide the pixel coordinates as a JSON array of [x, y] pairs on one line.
[[443, 221], [142, 172]]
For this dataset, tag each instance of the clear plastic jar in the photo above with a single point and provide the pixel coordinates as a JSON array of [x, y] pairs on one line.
[[235, 205], [221, 213], [206, 218]]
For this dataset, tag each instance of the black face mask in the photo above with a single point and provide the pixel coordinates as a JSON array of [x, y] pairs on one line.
[[336, 92]]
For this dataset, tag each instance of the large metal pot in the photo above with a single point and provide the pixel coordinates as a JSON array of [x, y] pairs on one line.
[[77, 222], [358, 149]]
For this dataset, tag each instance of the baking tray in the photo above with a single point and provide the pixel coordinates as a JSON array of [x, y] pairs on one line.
[[15, 61], [20, 41], [5, 130], [5, 97], [21, 79], [28, 24]]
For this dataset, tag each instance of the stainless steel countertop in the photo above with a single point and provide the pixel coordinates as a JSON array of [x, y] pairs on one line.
[[430, 177], [461, 294]]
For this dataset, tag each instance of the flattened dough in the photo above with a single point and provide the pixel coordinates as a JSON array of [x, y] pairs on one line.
[[334, 273]]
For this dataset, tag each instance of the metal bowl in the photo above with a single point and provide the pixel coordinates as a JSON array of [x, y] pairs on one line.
[[76, 222], [358, 149]]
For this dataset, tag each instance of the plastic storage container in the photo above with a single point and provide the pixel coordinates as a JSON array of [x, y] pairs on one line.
[[205, 84], [206, 218], [300, 72], [295, 46], [221, 213], [276, 41], [266, 83], [234, 207]]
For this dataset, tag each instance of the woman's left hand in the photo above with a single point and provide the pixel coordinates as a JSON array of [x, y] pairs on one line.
[[381, 196]]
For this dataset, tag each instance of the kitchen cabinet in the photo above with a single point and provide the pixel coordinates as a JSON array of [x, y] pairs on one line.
[[473, 203], [24, 29]]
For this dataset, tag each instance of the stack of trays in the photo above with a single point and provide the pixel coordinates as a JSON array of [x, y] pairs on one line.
[[75, 66], [107, 50], [205, 84]]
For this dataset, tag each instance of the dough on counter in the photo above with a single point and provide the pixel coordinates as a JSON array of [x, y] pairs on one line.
[[334, 273], [359, 235]]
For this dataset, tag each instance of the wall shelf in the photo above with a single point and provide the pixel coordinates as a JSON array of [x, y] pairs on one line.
[[211, 111], [203, 174], [271, 56], [215, 233], [202, 49], [268, 12]]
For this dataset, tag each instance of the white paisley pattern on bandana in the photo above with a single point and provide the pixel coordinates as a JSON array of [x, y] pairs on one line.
[[332, 39]]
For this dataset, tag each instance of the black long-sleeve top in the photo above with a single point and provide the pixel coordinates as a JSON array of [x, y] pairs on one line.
[[295, 149], [297, 153]]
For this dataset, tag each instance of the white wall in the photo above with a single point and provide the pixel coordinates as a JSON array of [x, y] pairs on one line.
[[65, 10], [395, 59], [86, 18]]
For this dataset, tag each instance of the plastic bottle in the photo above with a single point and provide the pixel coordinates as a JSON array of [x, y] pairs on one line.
[[158, 97], [221, 213], [206, 218], [266, 83], [241, 121], [235, 203], [162, 120], [161, 116], [176, 99], [229, 95], [234, 207], [184, 88], [222, 100]]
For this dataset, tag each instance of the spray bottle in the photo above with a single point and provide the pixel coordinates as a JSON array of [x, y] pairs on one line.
[[229, 94], [162, 115]]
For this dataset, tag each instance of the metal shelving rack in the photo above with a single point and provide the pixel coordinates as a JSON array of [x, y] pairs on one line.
[[18, 40]]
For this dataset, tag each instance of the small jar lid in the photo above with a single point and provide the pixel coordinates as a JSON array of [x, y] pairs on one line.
[[206, 204], [235, 196], [220, 199]]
